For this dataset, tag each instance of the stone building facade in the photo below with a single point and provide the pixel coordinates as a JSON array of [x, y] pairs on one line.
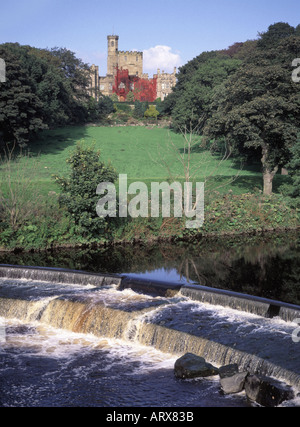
[[119, 62], [165, 83]]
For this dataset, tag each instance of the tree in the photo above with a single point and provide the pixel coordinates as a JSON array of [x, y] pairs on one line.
[[195, 100], [105, 106], [21, 110], [151, 112], [275, 34], [75, 71], [79, 189], [293, 166], [114, 97], [140, 108], [43, 89], [257, 109], [130, 97]]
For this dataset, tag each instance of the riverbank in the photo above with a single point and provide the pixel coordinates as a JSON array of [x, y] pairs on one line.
[[225, 216]]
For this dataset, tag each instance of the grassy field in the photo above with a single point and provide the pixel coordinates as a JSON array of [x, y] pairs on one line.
[[32, 217], [144, 154]]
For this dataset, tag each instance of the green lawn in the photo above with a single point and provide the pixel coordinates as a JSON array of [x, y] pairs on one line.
[[141, 153]]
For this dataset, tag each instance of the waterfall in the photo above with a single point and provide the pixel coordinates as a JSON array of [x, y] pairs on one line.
[[249, 304], [57, 275], [136, 321], [176, 342]]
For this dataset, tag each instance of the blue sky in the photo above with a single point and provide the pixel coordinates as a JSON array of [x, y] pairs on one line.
[[170, 32]]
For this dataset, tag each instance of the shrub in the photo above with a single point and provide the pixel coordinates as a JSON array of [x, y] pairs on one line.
[[151, 112], [79, 190]]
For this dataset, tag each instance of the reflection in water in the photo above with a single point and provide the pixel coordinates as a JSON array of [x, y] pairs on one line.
[[267, 266]]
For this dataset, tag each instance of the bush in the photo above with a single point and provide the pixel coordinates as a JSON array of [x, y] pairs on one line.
[[105, 106], [79, 190], [151, 112], [140, 108]]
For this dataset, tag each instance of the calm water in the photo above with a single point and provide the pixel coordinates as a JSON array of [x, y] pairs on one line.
[[268, 266]]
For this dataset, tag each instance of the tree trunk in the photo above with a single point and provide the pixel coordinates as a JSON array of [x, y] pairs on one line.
[[268, 172], [268, 181]]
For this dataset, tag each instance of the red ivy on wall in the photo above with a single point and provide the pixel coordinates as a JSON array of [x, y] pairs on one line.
[[143, 89]]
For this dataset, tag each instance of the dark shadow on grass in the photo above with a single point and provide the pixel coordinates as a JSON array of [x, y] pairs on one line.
[[57, 140], [249, 184]]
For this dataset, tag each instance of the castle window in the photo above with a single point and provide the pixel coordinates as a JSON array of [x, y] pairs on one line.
[[137, 59], [112, 44]]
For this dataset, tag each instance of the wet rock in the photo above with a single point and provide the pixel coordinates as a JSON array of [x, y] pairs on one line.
[[234, 384], [192, 366], [228, 370], [267, 391]]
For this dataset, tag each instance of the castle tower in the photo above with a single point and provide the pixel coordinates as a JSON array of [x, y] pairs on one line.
[[113, 54]]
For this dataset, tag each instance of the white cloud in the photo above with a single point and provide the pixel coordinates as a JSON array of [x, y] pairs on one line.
[[160, 57]]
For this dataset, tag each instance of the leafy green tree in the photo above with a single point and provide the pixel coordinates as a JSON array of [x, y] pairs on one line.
[[130, 97], [21, 110], [79, 189], [92, 108], [275, 34], [105, 106], [151, 112], [194, 101], [75, 71], [139, 109], [114, 97], [187, 71], [43, 89], [293, 166], [167, 105], [257, 109]]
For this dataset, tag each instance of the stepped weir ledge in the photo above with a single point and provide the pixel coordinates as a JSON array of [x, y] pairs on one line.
[[222, 326]]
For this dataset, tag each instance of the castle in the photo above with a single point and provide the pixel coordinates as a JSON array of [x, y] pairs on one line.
[[125, 75]]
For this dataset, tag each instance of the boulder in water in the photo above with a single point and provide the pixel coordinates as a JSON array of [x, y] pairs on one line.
[[231, 380], [234, 383], [228, 370], [193, 366], [267, 392]]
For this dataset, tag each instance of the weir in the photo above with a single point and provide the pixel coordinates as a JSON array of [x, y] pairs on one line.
[[58, 275], [221, 326]]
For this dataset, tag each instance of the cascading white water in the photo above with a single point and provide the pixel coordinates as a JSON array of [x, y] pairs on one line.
[[174, 325]]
